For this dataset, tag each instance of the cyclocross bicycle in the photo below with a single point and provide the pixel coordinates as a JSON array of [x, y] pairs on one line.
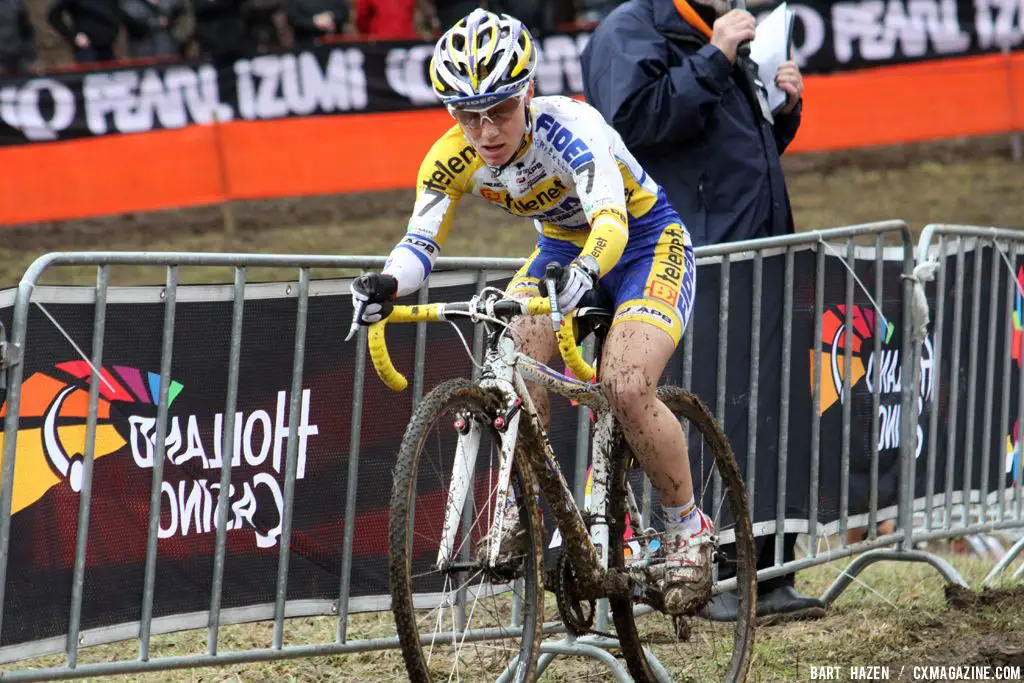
[[468, 537]]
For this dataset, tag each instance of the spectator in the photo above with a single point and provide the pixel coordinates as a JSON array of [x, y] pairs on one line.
[[538, 15], [149, 24], [92, 28], [450, 11], [259, 16], [221, 31], [667, 77], [386, 19], [17, 38], [314, 19]]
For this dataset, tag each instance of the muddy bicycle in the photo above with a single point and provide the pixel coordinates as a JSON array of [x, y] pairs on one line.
[[467, 535]]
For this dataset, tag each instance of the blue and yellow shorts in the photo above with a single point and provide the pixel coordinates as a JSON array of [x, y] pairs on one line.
[[654, 281]]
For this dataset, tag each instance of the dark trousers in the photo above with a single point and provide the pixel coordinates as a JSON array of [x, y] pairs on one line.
[[95, 53], [764, 548]]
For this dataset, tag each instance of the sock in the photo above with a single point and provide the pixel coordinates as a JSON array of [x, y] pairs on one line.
[[683, 520]]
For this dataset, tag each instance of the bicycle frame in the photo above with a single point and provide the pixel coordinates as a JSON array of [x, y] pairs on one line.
[[507, 371]]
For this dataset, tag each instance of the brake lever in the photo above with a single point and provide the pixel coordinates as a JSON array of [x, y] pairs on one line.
[[556, 315], [357, 313]]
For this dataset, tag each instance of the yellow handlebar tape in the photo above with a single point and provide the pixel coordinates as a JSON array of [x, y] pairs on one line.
[[426, 313], [396, 381], [538, 305], [571, 352], [391, 377]]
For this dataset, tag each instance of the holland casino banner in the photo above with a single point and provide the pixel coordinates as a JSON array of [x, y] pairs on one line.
[[54, 399]]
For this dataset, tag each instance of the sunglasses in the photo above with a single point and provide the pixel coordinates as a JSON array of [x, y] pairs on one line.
[[498, 115]]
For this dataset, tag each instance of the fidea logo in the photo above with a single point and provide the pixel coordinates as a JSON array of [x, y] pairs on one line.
[[51, 445]]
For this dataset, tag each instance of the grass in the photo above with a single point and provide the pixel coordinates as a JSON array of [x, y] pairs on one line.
[[972, 181], [896, 614]]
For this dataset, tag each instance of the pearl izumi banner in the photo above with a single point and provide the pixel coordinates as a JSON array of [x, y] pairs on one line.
[[383, 76], [52, 427], [342, 78]]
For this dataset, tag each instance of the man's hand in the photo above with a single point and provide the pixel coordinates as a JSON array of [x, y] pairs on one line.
[[576, 279], [374, 293], [789, 79], [325, 22], [731, 29], [82, 41]]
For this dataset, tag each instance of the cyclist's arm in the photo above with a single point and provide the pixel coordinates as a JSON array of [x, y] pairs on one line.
[[599, 184], [440, 184]]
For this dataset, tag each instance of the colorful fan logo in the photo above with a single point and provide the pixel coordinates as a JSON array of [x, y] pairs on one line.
[[1018, 320], [833, 337], [52, 426], [1013, 445]]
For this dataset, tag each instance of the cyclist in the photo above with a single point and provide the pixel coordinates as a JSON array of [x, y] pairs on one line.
[[555, 160]]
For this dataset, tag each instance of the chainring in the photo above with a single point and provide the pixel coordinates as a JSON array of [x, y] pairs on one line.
[[577, 617]]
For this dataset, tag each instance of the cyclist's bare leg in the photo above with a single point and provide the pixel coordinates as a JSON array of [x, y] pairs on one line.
[[535, 338], [635, 355]]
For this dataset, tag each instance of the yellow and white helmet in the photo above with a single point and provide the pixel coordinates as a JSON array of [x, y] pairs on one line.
[[482, 60]]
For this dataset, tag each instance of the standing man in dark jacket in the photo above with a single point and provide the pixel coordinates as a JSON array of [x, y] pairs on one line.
[[92, 29], [667, 76], [667, 82]]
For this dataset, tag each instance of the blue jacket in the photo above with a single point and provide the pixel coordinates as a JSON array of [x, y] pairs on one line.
[[690, 118]]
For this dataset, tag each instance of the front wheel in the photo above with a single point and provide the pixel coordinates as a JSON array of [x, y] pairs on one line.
[[459, 616], [692, 648]]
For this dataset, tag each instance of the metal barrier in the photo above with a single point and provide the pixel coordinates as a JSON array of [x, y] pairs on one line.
[[974, 513], [787, 247]]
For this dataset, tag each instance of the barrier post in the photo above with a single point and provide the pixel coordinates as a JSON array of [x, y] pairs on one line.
[[1016, 144], [227, 207]]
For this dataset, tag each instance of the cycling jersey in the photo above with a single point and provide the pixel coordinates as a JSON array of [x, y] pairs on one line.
[[584, 190]]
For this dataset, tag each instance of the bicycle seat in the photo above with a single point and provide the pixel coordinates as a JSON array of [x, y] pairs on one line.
[[594, 314]]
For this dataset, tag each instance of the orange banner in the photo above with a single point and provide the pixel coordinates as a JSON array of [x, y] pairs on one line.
[[362, 152]]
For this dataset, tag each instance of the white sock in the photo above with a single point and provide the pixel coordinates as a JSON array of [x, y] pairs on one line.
[[683, 520]]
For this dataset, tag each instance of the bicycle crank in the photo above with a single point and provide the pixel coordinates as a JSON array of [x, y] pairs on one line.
[[576, 614]]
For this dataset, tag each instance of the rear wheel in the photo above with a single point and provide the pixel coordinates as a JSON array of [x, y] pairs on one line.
[[462, 620], [693, 648]]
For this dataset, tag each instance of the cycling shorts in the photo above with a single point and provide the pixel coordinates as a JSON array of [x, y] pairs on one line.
[[654, 281]]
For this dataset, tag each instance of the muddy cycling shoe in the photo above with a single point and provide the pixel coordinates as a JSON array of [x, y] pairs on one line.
[[511, 538], [686, 586]]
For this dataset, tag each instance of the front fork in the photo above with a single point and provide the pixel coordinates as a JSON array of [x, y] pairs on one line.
[[502, 362]]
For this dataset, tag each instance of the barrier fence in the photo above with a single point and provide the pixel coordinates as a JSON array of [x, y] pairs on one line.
[[833, 363]]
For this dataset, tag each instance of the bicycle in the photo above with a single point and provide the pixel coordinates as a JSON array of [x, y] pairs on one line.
[[447, 537]]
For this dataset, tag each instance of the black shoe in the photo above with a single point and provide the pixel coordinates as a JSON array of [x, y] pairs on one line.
[[723, 607], [787, 601]]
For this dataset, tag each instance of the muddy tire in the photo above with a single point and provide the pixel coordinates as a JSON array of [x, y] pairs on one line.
[[466, 598], [732, 667]]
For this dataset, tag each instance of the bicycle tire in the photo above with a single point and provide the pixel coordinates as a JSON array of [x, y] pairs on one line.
[[481, 404], [686, 405]]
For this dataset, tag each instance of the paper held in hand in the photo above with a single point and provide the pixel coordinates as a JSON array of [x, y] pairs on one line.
[[770, 48]]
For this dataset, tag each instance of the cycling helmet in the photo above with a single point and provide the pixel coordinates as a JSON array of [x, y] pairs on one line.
[[482, 60]]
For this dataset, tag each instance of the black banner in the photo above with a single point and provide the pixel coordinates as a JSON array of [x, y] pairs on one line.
[[53, 417], [836, 36], [341, 78], [357, 77]]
